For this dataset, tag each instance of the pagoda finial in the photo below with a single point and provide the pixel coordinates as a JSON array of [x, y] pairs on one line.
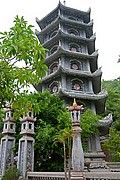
[[64, 2], [74, 103]]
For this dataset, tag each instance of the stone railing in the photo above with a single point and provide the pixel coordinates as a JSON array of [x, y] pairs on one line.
[[45, 176], [86, 176], [102, 176], [114, 166]]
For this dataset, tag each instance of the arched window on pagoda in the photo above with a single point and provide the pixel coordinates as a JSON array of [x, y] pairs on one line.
[[73, 32], [82, 33], [53, 34], [53, 49], [75, 64], [54, 87], [77, 85], [74, 47], [72, 18], [53, 67]]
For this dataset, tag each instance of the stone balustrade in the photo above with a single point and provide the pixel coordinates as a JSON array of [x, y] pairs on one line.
[[86, 176]]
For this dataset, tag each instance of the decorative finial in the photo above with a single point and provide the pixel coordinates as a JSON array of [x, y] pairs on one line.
[[74, 103], [64, 2]]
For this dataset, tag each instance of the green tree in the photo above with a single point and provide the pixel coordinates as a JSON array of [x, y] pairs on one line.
[[89, 123], [113, 144], [21, 61], [113, 106], [52, 119], [61, 137], [113, 100]]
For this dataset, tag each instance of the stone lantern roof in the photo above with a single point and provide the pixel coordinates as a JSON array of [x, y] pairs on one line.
[[27, 127], [9, 121], [75, 106]]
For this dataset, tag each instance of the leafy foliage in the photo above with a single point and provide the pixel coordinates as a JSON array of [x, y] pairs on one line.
[[113, 106], [53, 120], [89, 122], [49, 156], [11, 174], [21, 61], [64, 136], [113, 100], [113, 145]]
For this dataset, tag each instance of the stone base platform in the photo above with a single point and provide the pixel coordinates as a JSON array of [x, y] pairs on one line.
[[77, 175]]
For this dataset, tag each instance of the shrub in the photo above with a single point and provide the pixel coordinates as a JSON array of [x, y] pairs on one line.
[[11, 174]]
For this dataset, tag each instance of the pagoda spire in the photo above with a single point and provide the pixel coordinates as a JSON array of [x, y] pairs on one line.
[[64, 2]]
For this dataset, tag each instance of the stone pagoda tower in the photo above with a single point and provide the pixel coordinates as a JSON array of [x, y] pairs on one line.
[[72, 62], [72, 59]]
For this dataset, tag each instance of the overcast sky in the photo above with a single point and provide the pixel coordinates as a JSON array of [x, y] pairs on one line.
[[105, 13]]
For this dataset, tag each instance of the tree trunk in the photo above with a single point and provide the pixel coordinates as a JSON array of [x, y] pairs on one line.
[[69, 159], [65, 168]]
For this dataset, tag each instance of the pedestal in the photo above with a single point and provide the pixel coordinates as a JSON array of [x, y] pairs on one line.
[[26, 155], [6, 153], [77, 176], [77, 151]]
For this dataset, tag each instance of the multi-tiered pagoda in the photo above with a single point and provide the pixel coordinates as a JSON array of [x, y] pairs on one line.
[[72, 59]]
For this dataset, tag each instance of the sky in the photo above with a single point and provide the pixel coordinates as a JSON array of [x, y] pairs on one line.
[[105, 15]]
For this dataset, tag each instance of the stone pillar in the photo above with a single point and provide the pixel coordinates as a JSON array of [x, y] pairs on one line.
[[7, 142], [77, 150], [26, 145]]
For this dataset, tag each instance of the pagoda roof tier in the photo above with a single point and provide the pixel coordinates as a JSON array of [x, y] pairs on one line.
[[99, 98], [82, 94], [73, 38], [53, 13], [104, 124], [60, 51], [63, 34], [88, 27], [79, 73]]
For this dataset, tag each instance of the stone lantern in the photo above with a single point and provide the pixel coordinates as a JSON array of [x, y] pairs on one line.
[[77, 150], [7, 141], [26, 145]]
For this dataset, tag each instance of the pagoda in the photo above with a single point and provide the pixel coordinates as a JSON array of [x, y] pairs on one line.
[[72, 59]]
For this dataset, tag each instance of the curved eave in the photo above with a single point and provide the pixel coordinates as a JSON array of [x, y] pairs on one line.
[[38, 87], [93, 57], [78, 73], [60, 51], [60, 34], [82, 95], [88, 27], [99, 99], [86, 15], [97, 81], [104, 125], [44, 19]]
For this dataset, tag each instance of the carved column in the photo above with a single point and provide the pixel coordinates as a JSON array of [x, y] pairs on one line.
[[77, 150], [26, 145], [7, 142]]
